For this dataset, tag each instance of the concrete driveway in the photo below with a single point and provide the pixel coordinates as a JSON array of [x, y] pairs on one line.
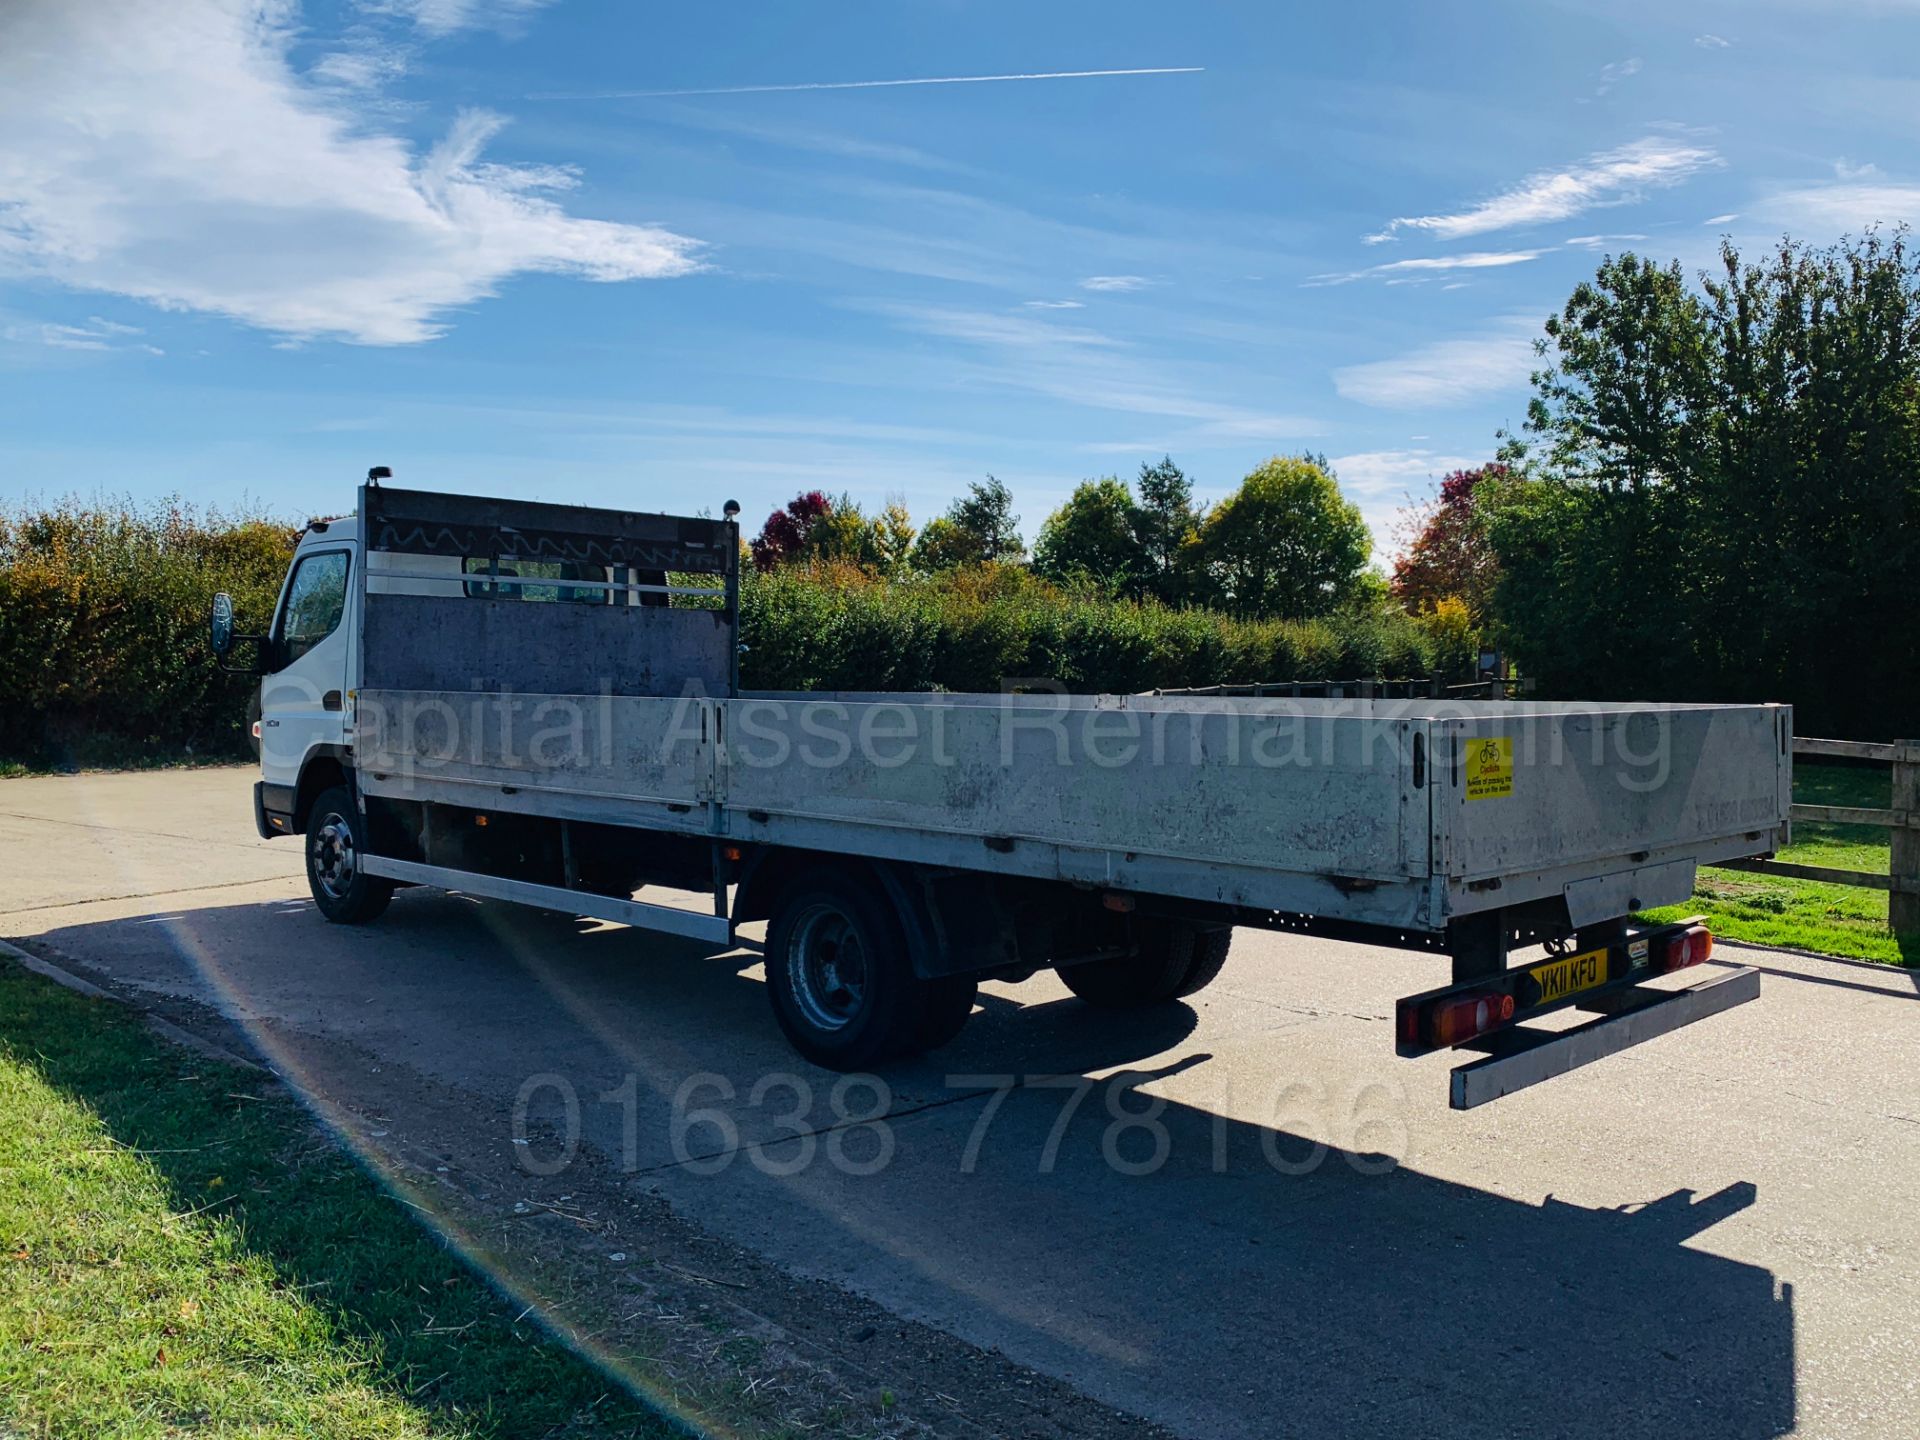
[[1240, 1218]]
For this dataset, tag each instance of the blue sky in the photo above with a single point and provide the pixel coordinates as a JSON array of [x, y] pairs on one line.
[[248, 249]]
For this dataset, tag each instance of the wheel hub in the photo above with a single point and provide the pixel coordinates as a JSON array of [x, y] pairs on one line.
[[333, 859], [827, 961]]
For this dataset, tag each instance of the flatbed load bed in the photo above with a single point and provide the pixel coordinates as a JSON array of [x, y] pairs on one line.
[[1371, 811]]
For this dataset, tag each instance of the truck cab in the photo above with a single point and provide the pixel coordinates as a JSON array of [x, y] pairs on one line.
[[306, 684]]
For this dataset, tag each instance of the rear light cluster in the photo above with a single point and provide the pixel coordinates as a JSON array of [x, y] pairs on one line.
[[1452, 1022], [1690, 947], [1458, 1016]]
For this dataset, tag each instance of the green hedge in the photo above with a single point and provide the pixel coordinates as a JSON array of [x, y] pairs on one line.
[[104, 658], [976, 630], [103, 628]]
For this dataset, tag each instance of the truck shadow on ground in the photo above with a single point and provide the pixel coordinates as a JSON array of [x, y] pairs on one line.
[[1253, 1281]]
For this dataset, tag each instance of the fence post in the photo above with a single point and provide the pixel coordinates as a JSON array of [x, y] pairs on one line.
[[1903, 905]]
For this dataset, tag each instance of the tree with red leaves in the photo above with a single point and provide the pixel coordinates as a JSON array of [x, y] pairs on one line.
[[784, 537], [1449, 553]]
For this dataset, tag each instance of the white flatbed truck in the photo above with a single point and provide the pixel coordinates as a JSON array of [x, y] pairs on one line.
[[540, 703]]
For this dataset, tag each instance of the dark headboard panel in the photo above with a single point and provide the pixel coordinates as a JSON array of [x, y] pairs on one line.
[[434, 642], [421, 522]]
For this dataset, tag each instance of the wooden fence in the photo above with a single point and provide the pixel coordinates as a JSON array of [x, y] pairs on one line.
[[1902, 819]]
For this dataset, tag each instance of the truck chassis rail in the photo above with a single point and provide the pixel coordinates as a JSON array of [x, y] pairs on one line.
[[715, 929]]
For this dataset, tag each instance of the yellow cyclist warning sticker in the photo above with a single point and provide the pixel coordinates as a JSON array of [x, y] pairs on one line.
[[1490, 767]]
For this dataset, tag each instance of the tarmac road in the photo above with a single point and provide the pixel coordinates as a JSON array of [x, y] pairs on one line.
[[1715, 1234]]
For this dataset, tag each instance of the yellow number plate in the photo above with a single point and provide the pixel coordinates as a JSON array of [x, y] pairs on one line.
[[1561, 978]]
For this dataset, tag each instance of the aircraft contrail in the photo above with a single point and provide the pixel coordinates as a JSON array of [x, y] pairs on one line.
[[858, 84]]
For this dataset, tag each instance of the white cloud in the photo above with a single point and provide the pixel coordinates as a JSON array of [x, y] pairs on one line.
[[1056, 305], [96, 334], [1446, 371], [788, 136], [1383, 482], [1119, 283], [1612, 177], [916, 80], [1600, 242], [1822, 213], [365, 66], [1376, 473], [1612, 75], [1845, 169], [985, 328], [1081, 366], [169, 153], [1430, 265], [1712, 42], [443, 17], [1721, 219]]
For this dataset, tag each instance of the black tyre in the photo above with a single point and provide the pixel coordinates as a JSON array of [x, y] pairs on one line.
[[1209, 955], [336, 841], [1167, 964], [949, 1004], [838, 974]]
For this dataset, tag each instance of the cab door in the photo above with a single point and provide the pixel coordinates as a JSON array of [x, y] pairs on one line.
[[303, 699]]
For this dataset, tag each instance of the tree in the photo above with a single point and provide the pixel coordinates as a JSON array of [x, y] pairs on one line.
[[813, 527], [1093, 536], [1453, 636], [985, 512], [978, 528], [942, 545], [1721, 490], [1449, 553], [1164, 521], [893, 534], [784, 537], [1286, 544], [845, 534]]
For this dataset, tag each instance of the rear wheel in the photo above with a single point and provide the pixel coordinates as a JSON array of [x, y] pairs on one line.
[[336, 847], [1209, 958], [1172, 960], [948, 1007], [838, 974]]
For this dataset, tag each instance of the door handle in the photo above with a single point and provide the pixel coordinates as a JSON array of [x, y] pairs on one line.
[[330, 700]]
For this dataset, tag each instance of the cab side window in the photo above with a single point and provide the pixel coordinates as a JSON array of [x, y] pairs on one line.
[[316, 600]]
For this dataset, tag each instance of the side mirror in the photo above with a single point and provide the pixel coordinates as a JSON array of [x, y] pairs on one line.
[[221, 626]]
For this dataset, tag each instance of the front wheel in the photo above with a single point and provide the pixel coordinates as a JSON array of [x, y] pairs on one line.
[[336, 848]]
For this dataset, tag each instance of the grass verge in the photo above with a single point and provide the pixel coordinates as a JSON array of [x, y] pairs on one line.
[[182, 1252], [1844, 920]]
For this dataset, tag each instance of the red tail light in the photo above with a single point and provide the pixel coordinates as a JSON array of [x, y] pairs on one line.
[[1452, 1022], [1690, 947]]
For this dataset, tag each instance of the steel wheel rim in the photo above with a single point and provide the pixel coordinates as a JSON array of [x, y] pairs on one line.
[[333, 859], [827, 963]]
